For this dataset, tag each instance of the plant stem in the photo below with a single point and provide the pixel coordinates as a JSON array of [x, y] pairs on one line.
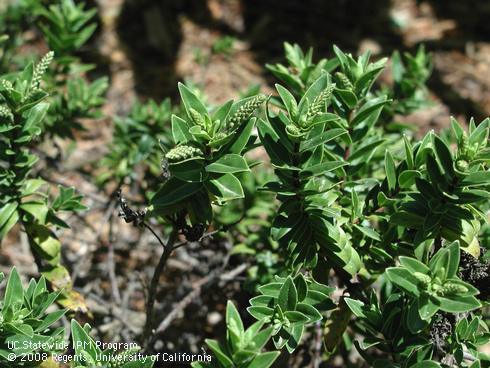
[[152, 292]]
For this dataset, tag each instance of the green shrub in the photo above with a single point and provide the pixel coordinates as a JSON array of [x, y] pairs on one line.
[[25, 322], [377, 207], [24, 201], [342, 196]]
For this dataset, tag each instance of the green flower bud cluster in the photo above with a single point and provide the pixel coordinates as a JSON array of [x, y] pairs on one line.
[[219, 135], [294, 111], [244, 112], [278, 323], [40, 69], [473, 151], [181, 153], [347, 84], [424, 280], [463, 145], [462, 165], [450, 288], [319, 102], [467, 152], [6, 113], [7, 85], [293, 130], [197, 118]]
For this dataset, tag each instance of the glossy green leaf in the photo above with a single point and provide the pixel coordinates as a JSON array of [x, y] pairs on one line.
[[390, 170], [272, 289], [191, 170], [8, 218], [35, 118], [264, 360], [321, 139], [173, 192], [14, 292], [260, 338], [180, 130], [219, 353], [408, 153], [226, 187], [406, 179], [369, 232], [294, 338], [477, 178], [414, 265], [444, 155], [347, 97], [427, 306], [191, 101], [356, 306], [322, 168], [287, 99], [309, 311], [260, 312], [369, 112], [446, 260], [403, 279], [272, 143], [49, 319], [230, 163], [83, 342], [288, 296], [458, 304], [37, 209], [240, 138], [233, 320], [301, 286]]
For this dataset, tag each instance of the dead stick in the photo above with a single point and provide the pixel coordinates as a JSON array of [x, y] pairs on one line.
[[196, 290]]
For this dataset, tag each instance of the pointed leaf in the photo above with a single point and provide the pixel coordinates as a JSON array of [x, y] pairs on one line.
[[230, 163]]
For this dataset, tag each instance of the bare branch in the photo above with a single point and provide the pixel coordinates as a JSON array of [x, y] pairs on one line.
[[213, 277]]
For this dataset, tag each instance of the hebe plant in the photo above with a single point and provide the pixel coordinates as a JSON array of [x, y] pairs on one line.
[[361, 205], [23, 108], [89, 354], [209, 152], [242, 348], [289, 305], [136, 143], [28, 321], [199, 172], [378, 208], [24, 319], [66, 27]]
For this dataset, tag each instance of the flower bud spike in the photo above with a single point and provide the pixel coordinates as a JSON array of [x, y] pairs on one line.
[[6, 85], [181, 153], [6, 113], [424, 279], [197, 118], [244, 112], [346, 83], [451, 288], [318, 104], [40, 69]]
